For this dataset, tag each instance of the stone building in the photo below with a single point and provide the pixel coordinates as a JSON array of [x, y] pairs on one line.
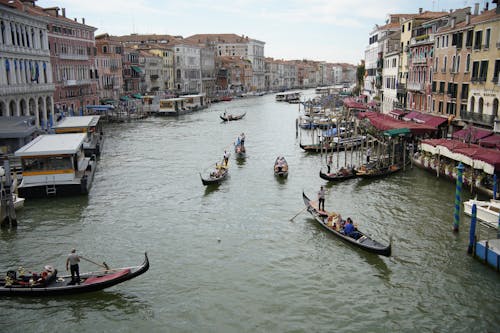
[[26, 84]]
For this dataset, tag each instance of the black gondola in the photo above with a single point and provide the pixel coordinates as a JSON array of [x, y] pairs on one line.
[[217, 176], [230, 117], [377, 172], [333, 222], [342, 174], [281, 167], [49, 284]]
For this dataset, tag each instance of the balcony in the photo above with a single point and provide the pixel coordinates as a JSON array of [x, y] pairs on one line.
[[401, 88], [423, 39], [478, 118], [66, 56], [71, 83], [415, 86], [418, 60], [26, 88]]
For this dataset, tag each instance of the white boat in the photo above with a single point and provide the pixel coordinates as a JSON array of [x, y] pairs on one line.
[[85, 124], [290, 97], [487, 211], [18, 202], [55, 165], [172, 106]]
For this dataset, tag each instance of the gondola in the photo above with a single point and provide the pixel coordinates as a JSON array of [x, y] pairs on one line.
[[240, 151], [48, 283], [216, 177], [342, 174], [281, 167], [315, 147], [332, 222], [377, 172], [230, 117]]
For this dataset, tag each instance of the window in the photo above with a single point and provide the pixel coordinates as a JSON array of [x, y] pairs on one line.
[[441, 87], [472, 103], [465, 91], [496, 71], [483, 70], [457, 67], [478, 40], [409, 26], [436, 64], [437, 43], [487, 39], [403, 28], [475, 70], [467, 63], [444, 64], [453, 64], [468, 40]]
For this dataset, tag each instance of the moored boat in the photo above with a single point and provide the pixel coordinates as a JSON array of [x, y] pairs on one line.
[[55, 165], [333, 222], [377, 172], [90, 125], [281, 167], [339, 175], [48, 283], [486, 211]]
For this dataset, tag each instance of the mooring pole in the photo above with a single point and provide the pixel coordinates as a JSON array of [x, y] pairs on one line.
[[458, 197], [472, 232]]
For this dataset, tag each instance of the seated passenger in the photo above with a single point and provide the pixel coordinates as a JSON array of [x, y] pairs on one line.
[[349, 227]]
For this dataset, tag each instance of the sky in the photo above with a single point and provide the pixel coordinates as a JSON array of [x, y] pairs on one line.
[[321, 30]]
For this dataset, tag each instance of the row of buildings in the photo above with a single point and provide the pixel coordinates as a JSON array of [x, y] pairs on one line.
[[50, 63], [445, 63]]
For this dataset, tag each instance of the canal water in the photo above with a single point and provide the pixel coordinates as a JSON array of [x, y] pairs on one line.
[[229, 259]]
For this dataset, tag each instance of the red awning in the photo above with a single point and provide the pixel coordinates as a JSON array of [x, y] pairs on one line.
[[472, 134], [427, 119], [474, 152], [352, 104], [383, 122], [492, 141]]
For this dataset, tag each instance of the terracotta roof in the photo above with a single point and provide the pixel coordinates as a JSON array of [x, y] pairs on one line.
[[474, 19], [219, 38]]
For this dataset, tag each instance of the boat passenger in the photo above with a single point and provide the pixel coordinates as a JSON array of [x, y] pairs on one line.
[[226, 157], [242, 139], [349, 227]]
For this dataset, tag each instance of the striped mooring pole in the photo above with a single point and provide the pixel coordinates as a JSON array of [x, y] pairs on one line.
[[458, 197], [472, 232]]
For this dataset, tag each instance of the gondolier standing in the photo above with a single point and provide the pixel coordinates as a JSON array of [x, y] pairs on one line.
[[368, 154], [72, 262], [321, 198]]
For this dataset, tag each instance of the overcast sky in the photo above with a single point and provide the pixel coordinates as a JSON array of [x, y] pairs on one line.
[[326, 30]]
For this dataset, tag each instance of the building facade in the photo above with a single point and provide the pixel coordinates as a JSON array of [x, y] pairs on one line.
[[26, 83]]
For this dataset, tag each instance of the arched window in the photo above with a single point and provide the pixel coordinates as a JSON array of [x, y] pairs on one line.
[[494, 108], [480, 106], [472, 102]]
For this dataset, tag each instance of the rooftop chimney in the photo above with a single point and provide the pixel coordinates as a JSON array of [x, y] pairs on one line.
[[83, 20], [467, 19], [453, 22], [421, 9], [476, 8], [63, 12]]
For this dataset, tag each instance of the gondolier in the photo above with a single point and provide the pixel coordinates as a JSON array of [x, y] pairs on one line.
[[321, 198], [72, 262]]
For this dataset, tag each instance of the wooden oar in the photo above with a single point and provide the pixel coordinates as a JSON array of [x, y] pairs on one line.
[[104, 265], [303, 209]]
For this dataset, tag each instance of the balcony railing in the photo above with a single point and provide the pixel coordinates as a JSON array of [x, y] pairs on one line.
[[26, 88], [415, 86], [478, 118], [66, 56], [69, 83], [419, 60]]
